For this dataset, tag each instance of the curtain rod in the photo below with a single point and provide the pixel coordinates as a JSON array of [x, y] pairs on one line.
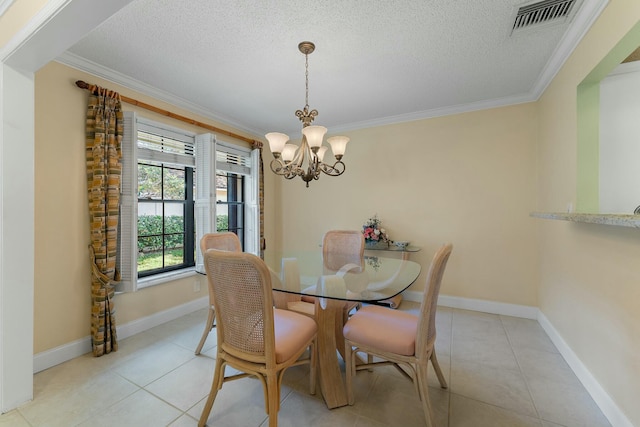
[[253, 142]]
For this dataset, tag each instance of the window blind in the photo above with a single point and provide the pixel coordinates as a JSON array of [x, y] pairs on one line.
[[233, 159], [165, 145]]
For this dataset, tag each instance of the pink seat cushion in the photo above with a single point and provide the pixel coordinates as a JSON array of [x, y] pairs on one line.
[[389, 330], [292, 330]]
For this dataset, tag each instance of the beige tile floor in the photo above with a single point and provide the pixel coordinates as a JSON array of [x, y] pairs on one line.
[[501, 371]]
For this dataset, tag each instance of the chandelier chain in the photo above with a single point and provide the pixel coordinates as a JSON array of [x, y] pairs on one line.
[[306, 80]]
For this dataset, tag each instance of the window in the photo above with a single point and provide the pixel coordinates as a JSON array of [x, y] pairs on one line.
[[228, 198], [176, 187], [166, 231], [230, 204], [232, 166]]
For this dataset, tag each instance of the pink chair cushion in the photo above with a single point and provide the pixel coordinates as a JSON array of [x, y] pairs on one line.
[[389, 330], [292, 330]]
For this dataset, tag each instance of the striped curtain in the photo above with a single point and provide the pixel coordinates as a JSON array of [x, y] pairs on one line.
[[257, 145], [104, 130]]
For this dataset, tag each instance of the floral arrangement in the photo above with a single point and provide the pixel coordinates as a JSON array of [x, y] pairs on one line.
[[373, 231]]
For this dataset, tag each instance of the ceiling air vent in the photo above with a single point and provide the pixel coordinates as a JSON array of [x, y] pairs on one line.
[[546, 11]]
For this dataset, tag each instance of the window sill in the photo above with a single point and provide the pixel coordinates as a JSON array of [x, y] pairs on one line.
[[159, 279]]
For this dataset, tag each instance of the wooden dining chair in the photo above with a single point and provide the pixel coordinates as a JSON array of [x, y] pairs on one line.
[[254, 337], [224, 241], [399, 338]]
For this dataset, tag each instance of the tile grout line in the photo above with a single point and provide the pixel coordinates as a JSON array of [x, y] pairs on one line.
[[524, 377]]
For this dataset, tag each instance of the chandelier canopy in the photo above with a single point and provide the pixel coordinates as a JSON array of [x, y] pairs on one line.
[[306, 160]]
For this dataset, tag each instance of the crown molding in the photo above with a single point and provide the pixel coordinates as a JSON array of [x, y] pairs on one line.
[[74, 61], [436, 112], [583, 20]]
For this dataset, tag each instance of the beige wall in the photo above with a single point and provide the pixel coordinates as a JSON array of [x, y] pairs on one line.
[[469, 179], [589, 274], [62, 280]]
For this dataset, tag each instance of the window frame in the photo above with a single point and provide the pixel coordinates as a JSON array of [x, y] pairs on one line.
[[233, 190], [127, 262], [204, 206], [188, 231], [228, 160]]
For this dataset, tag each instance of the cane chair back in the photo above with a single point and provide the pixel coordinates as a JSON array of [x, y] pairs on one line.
[[342, 247], [253, 337], [225, 241]]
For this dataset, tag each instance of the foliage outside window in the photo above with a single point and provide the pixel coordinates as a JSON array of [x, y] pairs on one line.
[[165, 192]]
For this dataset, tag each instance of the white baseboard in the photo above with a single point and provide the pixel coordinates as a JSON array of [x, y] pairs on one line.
[[161, 317], [616, 417], [57, 355], [485, 306], [60, 354], [607, 405]]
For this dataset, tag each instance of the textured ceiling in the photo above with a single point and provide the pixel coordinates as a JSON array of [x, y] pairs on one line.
[[375, 62]]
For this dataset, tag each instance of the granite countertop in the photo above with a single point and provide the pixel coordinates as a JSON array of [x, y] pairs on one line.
[[621, 220]]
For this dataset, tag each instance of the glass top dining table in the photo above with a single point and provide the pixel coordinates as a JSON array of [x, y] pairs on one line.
[[333, 280], [368, 279]]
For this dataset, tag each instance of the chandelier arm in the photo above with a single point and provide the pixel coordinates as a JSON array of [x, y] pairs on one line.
[[294, 171], [276, 166], [302, 153], [285, 170], [337, 169]]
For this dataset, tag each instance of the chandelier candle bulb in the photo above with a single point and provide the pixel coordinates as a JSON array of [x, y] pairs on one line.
[[289, 152], [338, 145], [277, 141], [321, 152], [314, 135]]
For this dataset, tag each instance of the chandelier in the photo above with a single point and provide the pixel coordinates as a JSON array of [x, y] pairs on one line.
[[306, 160]]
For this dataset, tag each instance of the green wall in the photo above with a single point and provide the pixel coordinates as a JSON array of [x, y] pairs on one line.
[[588, 111]]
